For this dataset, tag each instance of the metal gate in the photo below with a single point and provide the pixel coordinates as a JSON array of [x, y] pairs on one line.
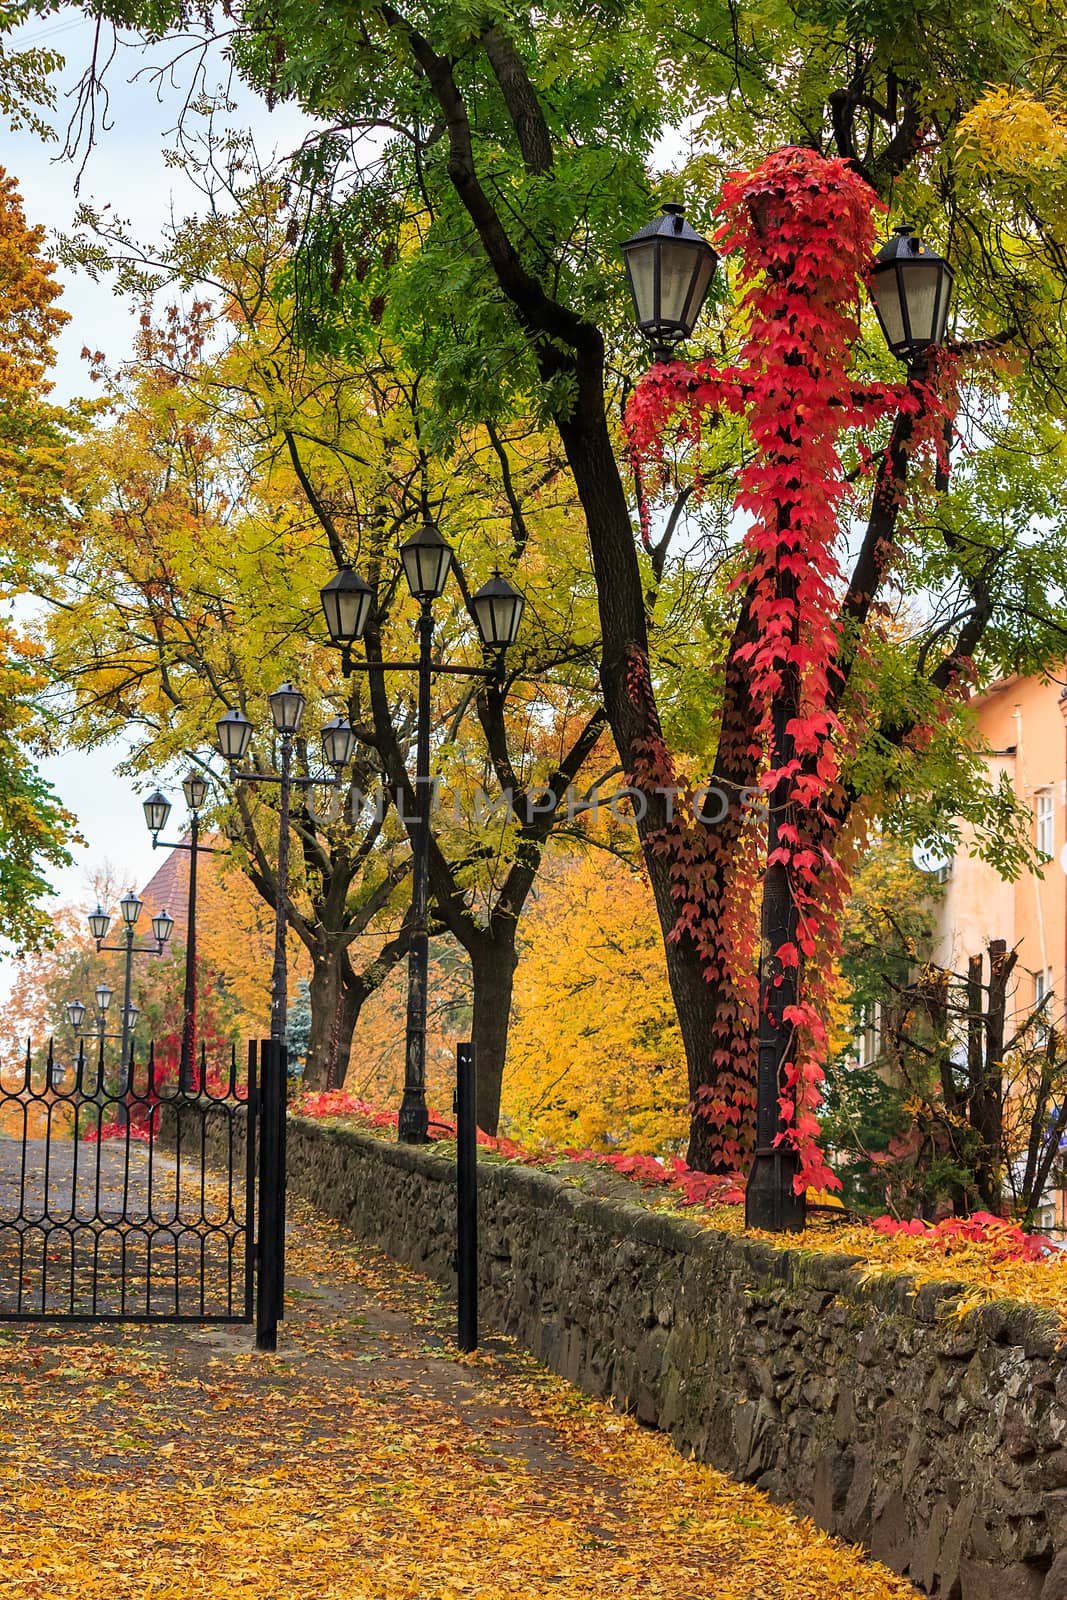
[[124, 1198]]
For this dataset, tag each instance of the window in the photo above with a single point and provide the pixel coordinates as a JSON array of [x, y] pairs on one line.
[[1043, 993], [1046, 826], [869, 1042]]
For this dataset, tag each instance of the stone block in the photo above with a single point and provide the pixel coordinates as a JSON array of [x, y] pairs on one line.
[[980, 1580], [830, 1485], [891, 1534], [949, 1564], [1055, 1584]]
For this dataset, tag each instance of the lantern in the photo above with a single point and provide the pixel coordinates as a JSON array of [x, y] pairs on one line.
[[287, 708], [99, 923], [338, 742], [426, 557], [498, 611], [156, 812], [130, 907], [670, 267], [911, 288], [75, 1014], [194, 787], [162, 928], [234, 731], [346, 603]]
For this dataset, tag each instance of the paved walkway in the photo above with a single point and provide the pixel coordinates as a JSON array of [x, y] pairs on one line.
[[366, 1459]]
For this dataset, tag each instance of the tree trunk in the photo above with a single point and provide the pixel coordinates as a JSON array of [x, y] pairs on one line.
[[987, 1102], [334, 1012], [493, 963]]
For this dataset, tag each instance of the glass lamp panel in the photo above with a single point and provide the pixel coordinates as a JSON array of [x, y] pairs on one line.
[[944, 303], [700, 284], [889, 305], [641, 269], [677, 264], [921, 282]]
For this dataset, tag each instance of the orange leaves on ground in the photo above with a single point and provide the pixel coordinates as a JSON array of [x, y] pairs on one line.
[[366, 1460]]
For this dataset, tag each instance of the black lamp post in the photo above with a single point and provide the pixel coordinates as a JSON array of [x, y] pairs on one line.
[[103, 1001], [346, 602], [670, 270], [99, 922], [157, 809], [287, 706]]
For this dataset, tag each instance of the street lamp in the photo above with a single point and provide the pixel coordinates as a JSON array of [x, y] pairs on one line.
[[131, 907], [670, 267], [157, 809], [347, 601], [75, 1014], [426, 558], [287, 706], [910, 288], [498, 612], [338, 742], [235, 732], [195, 790]]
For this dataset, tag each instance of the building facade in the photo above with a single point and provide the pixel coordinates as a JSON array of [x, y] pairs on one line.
[[1023, 722]]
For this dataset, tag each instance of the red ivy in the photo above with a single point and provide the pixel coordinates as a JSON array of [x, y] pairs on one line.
[[1010, 1242], [802, 229]]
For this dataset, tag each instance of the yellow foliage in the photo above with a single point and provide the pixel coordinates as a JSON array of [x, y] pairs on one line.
[[1014, 131], [971, 1261], [595, 1056]]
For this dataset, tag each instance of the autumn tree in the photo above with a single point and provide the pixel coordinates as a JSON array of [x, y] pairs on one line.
[[596, 1055], [345, 439], [34, 437], [519, 149], [159, 623]]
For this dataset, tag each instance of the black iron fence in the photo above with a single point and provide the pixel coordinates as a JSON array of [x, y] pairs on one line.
[[108, 1209]]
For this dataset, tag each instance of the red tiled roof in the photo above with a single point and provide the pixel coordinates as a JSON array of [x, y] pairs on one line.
[[168, 890]]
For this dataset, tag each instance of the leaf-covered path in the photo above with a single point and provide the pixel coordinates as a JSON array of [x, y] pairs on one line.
[[365, 1459]]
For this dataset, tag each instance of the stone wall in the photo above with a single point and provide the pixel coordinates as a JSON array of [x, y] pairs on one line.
[[938, 1442]]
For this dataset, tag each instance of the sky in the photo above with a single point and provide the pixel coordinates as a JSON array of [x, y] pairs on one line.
[[127, 169]]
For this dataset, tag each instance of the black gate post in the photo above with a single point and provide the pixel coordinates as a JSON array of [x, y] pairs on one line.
[[466, 1200], [270, 1287]]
